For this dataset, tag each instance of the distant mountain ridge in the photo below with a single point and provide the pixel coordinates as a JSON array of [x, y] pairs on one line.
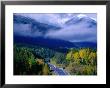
[[86, 44], [52, 43], [45, 27], [82, 20], [43, 41], [34, 25]]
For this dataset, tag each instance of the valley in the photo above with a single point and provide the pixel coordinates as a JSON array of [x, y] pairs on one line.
[[54, 44], [34, 59]]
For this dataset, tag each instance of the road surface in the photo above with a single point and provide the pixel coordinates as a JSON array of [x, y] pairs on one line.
[[58, 71]]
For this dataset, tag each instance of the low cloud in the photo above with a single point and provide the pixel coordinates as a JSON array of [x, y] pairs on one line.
[[26, 30], [72, 33]]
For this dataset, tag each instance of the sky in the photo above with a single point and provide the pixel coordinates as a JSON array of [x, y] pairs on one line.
[[74, 32], [58, 18]]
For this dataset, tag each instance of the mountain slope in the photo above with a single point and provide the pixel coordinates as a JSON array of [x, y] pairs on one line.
[[44, 42], [33, 24], [78, 28], [82, 20], [86, 44]]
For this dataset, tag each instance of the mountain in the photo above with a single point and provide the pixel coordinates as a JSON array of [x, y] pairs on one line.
[[86, 44], [26, 30], [82, 20], [55, 44], [33, 24]]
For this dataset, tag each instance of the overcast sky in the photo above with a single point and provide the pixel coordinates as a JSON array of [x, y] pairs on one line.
[[58, 18]]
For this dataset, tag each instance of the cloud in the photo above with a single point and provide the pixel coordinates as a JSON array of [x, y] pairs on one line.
[[55, 18], [73, 33], [26, 30]]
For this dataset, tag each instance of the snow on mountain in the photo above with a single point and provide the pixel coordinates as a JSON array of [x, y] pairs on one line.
[[81, 15], [78, 28], [82, 20], [71, 27]]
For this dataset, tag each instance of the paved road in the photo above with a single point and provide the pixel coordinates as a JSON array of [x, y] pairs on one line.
[[58, 71]]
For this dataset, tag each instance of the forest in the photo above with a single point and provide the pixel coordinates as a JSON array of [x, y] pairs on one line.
[[34, 60], [55, 43]]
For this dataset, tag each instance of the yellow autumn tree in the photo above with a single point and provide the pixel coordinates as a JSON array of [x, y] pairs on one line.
[[76, 57], [82, 53], [45, 70], [40, 61], [88, 51], [69, 55], [92, 57]]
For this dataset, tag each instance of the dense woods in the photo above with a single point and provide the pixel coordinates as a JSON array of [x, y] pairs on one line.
[[82, 61], [34, 60], [26, 63]]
